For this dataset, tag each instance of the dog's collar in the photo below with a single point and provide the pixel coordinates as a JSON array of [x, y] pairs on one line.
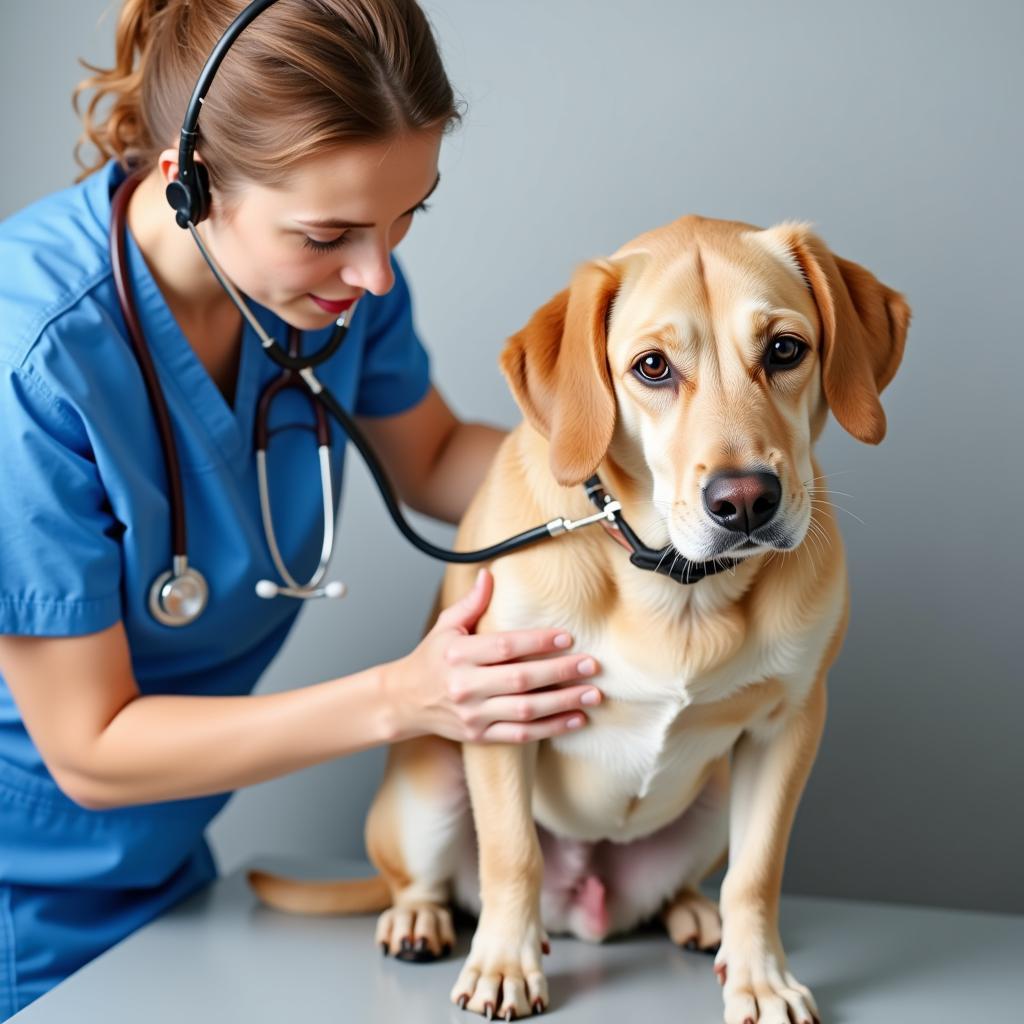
[[667, 561]]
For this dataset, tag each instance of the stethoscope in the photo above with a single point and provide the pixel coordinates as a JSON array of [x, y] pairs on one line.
[[178, 596]]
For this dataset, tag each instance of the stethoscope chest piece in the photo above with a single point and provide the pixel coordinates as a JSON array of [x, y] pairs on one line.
[[178, 596]]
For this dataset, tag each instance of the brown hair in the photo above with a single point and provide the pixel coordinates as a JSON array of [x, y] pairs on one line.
[[306, 76]]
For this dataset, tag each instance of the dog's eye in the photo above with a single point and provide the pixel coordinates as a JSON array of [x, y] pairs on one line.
[[652, 367], [784, 352]]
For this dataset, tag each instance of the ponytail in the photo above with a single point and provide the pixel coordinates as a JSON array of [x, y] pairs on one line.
[[123, 134], [306, 77]]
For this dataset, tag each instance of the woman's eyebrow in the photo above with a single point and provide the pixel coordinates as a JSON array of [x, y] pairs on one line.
[[333, 223]]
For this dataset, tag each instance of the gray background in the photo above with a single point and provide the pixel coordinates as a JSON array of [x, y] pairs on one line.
[[895, 128]]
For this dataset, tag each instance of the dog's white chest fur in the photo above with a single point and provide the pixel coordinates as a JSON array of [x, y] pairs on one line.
[[631, 770]]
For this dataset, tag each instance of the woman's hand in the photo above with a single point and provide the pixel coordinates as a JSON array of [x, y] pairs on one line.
[[494, 687]]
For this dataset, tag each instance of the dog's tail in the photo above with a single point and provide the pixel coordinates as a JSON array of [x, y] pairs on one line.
[[344, 896]]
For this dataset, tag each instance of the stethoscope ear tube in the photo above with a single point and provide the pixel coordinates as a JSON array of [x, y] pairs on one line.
[[156, 396], [292, 587], [179, 595]]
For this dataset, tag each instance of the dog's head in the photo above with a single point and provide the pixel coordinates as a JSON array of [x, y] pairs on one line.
[[703, 358]]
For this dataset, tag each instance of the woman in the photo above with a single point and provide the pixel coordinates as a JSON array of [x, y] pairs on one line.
[[121, 736]]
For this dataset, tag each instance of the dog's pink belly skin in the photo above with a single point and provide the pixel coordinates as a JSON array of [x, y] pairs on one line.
[[595, 889]]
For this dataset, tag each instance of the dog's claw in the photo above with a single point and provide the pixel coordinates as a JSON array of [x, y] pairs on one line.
[[463, 999], [420, 953], [384, 949], [489, 1011], [510, 1013], [538, 1006]]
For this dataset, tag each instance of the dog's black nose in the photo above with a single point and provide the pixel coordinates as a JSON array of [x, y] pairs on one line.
[[743, 501]]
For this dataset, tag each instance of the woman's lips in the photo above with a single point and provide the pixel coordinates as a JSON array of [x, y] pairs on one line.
[[329, 306]]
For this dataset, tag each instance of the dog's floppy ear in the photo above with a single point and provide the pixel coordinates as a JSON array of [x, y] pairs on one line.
[[557, 367], [864, 328]]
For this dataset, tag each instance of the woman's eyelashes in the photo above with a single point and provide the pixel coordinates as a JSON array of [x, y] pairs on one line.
[[329, 246], [316, 245]]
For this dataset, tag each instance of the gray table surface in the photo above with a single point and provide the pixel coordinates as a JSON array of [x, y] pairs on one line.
[[220, 956]]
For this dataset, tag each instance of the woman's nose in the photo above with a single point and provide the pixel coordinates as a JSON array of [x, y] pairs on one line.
[[369, 269]]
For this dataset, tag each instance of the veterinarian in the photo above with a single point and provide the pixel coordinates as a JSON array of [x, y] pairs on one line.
[[130, 396]]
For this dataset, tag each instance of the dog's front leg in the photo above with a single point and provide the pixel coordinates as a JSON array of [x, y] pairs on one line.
[[502, 976], [768, 777]]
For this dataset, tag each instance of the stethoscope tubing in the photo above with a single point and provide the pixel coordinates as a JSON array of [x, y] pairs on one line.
[[327, 545], [303, 365], [172, 467], [520, 540]]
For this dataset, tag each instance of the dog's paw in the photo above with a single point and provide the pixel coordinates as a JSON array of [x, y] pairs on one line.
[[757, 986], [502, 977], [693, 921], [418, 932]]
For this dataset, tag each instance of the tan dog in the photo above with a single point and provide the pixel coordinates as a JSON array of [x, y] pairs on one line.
[[693, 370]]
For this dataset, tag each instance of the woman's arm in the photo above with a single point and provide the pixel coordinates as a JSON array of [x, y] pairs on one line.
[[107, 746], [434, 461]]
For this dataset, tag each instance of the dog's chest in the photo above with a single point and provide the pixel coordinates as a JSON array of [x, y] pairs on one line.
[[636, 765], [675, 701], [646, 752]]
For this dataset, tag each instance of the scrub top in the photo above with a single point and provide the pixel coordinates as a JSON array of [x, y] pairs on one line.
[[85, 529]]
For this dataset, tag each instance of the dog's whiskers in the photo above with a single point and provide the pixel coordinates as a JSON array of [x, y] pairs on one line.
[[825, 476], [823, 502], [821, 537], [826, 490], [817, 546]]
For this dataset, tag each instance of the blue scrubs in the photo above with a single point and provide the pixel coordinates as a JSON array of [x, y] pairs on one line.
[[85, 529]]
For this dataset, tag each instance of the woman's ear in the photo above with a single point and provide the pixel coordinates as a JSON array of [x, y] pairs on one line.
[[864, 331], [557, 367], [167, 161]]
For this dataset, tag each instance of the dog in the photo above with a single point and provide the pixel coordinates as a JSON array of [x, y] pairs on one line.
[[692, 371]]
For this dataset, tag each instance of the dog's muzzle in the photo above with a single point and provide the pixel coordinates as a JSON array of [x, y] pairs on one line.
[[667, 561]]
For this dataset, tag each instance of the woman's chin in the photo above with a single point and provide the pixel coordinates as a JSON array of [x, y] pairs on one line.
[[302, 313]]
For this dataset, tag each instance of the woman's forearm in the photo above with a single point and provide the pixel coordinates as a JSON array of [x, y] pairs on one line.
[[459, 470], [169, 747]]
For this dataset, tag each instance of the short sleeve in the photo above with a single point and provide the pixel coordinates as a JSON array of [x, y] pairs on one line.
[[60, 559], [395, 374]]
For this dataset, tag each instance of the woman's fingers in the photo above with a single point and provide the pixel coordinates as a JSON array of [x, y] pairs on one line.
[[532, 732], [495, 648], [534, 706], [522, 677]]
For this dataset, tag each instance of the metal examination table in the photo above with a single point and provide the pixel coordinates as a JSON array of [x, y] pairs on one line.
[[221, 957]]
